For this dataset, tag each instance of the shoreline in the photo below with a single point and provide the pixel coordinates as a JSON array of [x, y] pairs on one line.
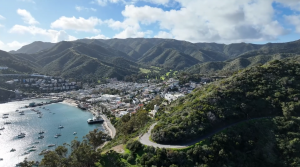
[[107, 129], [70, 102]]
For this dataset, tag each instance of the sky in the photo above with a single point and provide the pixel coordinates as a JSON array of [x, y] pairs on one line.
[[222, 21]]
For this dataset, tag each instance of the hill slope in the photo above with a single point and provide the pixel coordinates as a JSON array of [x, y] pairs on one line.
[[260, 91]]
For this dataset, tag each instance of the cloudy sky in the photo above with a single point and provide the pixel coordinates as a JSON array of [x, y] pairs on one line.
[[221, 21]]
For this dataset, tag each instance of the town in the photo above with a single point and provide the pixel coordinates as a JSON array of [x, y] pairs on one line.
[[119, 97]]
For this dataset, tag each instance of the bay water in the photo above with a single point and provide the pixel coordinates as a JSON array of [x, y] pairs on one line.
[[72, 118]]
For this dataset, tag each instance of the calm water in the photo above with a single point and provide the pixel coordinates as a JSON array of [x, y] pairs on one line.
[[72, 118]]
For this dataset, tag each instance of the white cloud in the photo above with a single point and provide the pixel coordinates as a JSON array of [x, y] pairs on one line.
[[81, 8], [293, 4], [15, 45], [26, 16], [50, 35], [131, 28], [104, 2], [2, 18], [1, 25], [99, 36], [206, 20], [294, 20], [163, 34], [2, 46], [80, 24]]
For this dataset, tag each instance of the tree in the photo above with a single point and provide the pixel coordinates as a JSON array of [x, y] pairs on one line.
[[96, 138]]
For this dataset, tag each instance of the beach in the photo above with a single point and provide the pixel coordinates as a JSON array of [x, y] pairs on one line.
[[70, 102]]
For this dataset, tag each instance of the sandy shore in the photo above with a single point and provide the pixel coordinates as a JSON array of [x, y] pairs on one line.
[[70, 102]]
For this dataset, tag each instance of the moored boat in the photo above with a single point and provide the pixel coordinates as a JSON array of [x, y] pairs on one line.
[[95, 120]]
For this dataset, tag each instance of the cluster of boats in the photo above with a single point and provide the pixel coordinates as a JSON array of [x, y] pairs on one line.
[[5, 116]]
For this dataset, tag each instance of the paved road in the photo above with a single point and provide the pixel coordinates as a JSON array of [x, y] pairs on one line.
[[111, 128], [146, 141]]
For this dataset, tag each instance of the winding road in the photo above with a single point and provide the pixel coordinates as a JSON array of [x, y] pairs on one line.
[[145, 139]]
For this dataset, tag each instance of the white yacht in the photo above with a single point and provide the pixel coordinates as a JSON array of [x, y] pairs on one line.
[[74, 133], [60, 127]]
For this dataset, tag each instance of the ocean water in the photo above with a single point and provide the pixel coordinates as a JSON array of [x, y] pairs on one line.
[[72, 118]]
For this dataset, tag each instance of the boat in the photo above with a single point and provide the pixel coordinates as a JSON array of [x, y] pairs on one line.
[[12, 150], [40, 116], [51, 145], [41, 132], [55, 136], [74, 133], [5, 116], [41, 137], [60, 127], [7, 122], [17, 110], [25, 153], [21, 135], [44, 152], [32, 149], [22, 113], [1, 159], [37, 142], [95, 119], [2, 128]]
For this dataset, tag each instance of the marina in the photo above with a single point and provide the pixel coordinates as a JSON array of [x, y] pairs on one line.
[[30, 136]]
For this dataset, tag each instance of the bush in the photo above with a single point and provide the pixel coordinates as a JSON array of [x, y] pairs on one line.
[[134, 146]]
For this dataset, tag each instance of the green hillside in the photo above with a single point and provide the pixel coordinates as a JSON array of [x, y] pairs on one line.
[[272, 89], [136, 53], [16, 64]]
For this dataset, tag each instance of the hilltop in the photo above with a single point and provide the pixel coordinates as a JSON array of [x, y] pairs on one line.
[[99, 58]]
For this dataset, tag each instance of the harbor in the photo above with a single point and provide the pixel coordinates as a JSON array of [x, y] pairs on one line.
[[40, 129]]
